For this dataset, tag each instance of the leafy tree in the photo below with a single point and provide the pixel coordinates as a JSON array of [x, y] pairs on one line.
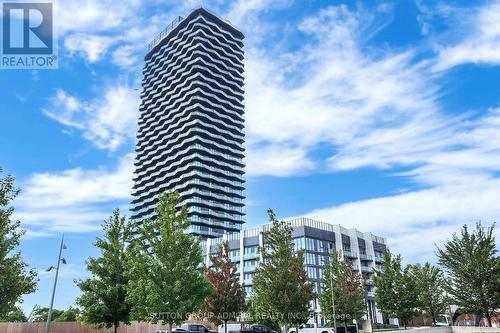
[[167, 279], [396, 291], [69, 315], [15, 277], [280, 284], [430, 285], [254, 314], [41, 314], [227, 299], [16, 315], [348, 292], [103, 299], [473, 270]]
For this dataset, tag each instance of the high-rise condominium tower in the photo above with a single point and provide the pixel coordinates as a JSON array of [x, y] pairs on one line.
[[190, 136]]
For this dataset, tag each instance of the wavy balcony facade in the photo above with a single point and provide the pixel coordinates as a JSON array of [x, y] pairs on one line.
[[190, 136]]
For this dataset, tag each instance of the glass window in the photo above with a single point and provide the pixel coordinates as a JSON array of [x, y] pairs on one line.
[[250, 250], [310, 244], [299, 243], [250, 263], [234, 253]]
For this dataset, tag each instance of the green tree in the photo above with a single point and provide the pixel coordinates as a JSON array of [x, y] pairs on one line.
[[348, 292], [473, 271], [227, 299], [103, 299], [41, 314], [254, 314], [16, 279], [167, 279], [396, 291], [280, 284], [16, 315], [69, 315], [430, 285]]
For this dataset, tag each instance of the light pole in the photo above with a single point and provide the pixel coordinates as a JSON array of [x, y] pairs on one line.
[[333, 298], [59, 260]]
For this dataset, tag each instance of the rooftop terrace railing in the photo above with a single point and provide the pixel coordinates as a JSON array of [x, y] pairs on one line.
[[165, 32]]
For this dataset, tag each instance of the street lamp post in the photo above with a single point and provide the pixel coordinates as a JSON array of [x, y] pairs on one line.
[[333, 300], [59, 260]]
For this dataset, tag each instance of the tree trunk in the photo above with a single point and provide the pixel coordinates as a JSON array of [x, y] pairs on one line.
[[169, 327], [488, 318], [477, 319], [115, 327], [225, 326]]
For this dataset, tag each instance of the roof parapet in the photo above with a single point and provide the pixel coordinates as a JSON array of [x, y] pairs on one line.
[[164, 32]]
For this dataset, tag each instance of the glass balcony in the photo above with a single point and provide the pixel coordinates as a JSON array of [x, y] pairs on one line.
[[350, 254], [250, 255], [365, 257], [249, 269], [366, 269]]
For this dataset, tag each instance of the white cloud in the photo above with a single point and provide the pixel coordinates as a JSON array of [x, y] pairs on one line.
[[413, 222], [481, 45], [93, 47], [278, 161], [367, 106], [73, 200], [108, 120], [372, 108], [330, 91], [94, 15]]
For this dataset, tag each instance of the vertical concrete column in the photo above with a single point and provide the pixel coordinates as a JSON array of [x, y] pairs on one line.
[[209, 242], [338, 238], [242, 274], [353, 233]]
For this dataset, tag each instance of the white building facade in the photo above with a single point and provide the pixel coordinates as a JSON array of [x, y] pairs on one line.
[[318, 240]]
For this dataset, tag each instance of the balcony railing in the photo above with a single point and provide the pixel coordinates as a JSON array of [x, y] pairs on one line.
[[249, 269], [366, 269], [250, 256], [164, 32], [350, 254], [365, 257]]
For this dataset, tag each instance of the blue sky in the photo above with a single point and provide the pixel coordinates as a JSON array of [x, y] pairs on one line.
[[380, 115]]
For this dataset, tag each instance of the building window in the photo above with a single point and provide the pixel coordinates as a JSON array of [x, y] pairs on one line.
[[234, 254], [299, 244], [312, 272], [311, 259], [310, 244], [323, 260], [250, 250], [249, 263]]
